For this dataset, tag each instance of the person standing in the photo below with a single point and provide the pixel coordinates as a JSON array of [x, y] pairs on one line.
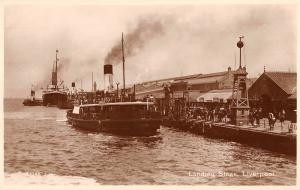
[[251, 117], [258, 116], [272, 120], [281, 117]]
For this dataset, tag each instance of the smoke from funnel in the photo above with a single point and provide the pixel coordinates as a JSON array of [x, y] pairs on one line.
[[147, 28], [134, 41]]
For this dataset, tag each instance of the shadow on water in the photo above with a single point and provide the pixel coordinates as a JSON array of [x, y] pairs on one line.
[[132, 143], [117, 141]]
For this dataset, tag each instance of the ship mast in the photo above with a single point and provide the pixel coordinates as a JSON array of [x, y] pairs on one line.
[[54, 73], [123, 59], [56, 60]]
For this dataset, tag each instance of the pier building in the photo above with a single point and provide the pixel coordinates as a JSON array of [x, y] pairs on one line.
[[274, 91], [212, 87]]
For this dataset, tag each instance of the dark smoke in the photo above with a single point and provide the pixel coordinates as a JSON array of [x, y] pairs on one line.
[[135, 40], [146, 29]]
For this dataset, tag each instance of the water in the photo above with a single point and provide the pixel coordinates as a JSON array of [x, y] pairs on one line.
[[40, 147]]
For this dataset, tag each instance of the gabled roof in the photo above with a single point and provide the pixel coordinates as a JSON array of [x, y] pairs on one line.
[[285, 80]]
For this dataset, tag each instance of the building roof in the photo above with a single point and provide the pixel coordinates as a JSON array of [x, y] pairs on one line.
[[147, 87], [171, 79], [287, 81], [201, 78], [204, 80]]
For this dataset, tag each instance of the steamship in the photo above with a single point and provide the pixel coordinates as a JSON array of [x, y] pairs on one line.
[[123, 117], [54, 95]]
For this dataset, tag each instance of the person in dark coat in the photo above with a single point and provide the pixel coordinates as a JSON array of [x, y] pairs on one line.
[[251, 117], [258, 116], [281, 116], [272, 120]]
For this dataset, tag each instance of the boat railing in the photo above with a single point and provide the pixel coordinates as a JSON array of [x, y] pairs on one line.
[[96, 116]]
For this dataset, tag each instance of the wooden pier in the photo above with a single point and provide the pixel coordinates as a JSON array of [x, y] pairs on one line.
[[279, 140]]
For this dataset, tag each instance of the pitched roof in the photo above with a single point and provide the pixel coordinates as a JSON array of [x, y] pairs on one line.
[[141, 87], [285, 80], [188, 77], [203, 80], [170, 79]]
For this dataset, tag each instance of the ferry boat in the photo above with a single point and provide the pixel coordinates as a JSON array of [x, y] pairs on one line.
[[124, 118], [54, 95]]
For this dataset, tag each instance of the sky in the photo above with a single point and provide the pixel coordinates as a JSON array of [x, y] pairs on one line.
[[160, 41]]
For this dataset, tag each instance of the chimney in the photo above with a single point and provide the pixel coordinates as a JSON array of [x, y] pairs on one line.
[[108, 78]]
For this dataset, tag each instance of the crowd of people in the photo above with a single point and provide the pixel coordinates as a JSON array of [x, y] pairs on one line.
[[222, 114], [256, 114], [218, 114]]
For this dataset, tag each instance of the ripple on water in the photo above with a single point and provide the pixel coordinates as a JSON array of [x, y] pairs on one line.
[[166, 158]]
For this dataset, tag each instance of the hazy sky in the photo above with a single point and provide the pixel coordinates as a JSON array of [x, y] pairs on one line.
[[172, 41]]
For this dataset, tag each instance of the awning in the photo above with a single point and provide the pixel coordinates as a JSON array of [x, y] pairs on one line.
[[215, 96], [193, 95]]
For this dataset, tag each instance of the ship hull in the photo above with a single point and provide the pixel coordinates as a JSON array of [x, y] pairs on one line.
[[54, 98], [65, 105], [136, 127], [29, 102]]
